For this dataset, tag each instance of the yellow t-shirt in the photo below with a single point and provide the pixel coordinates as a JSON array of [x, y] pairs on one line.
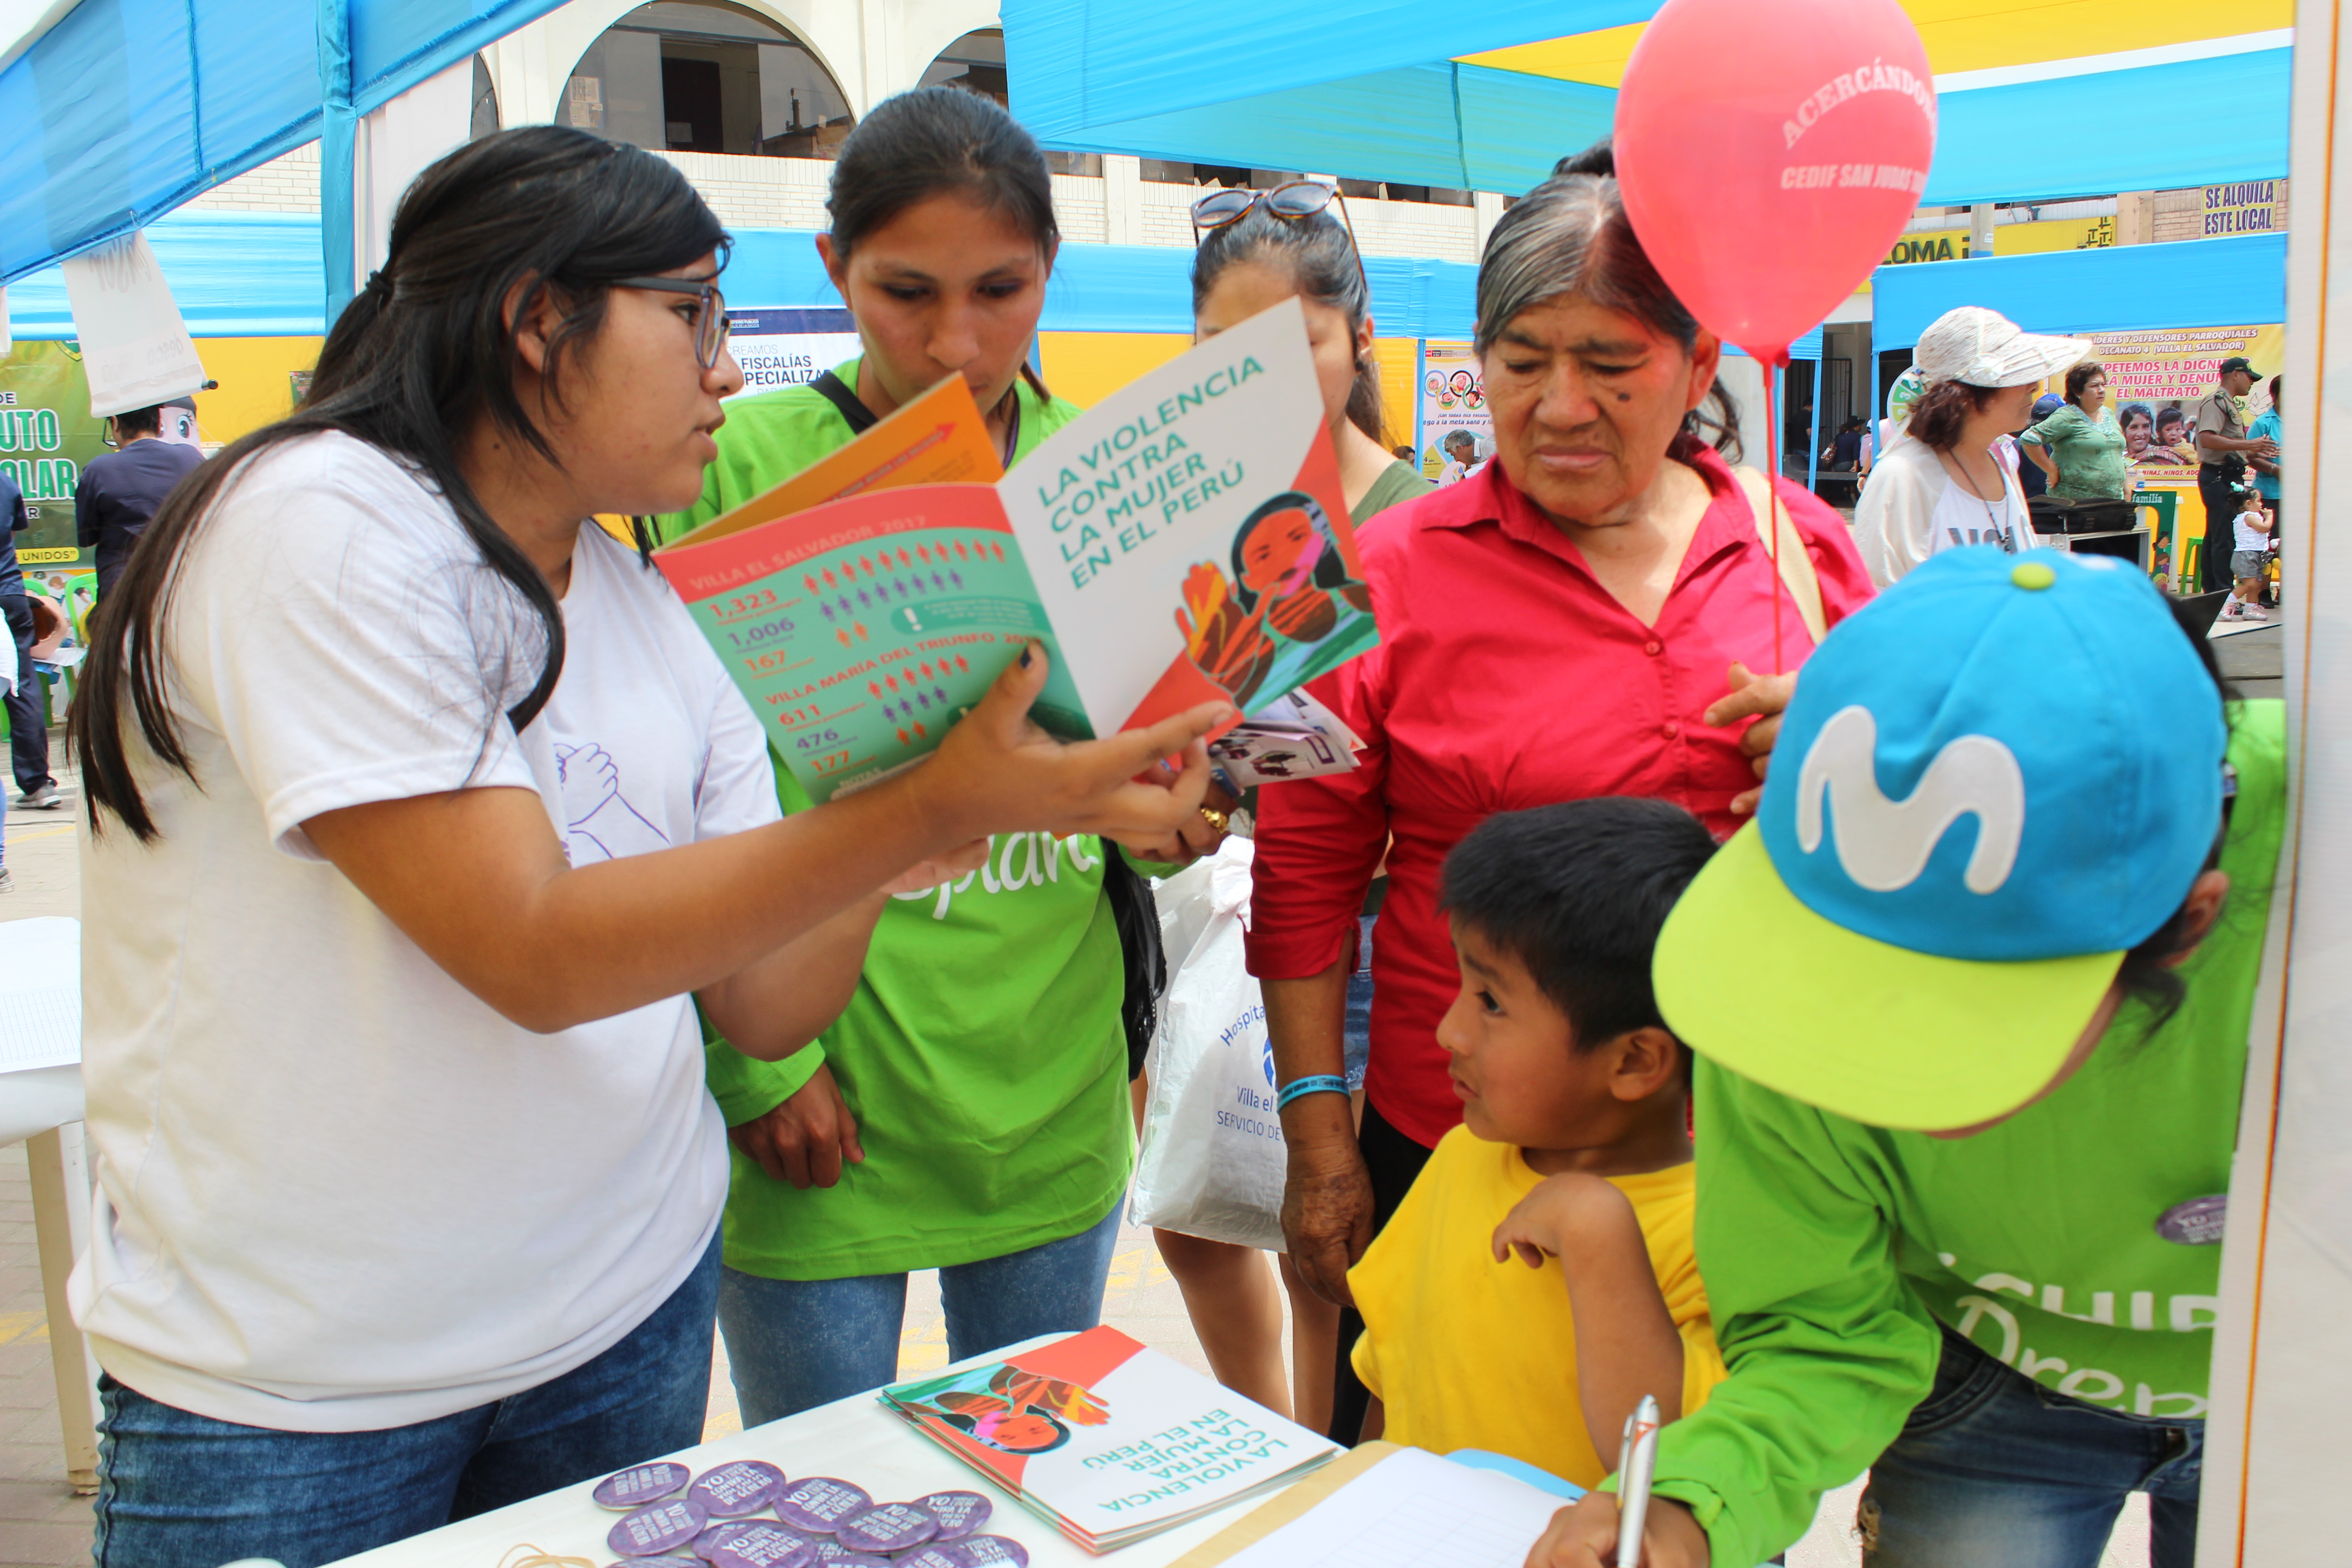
[[1467, 1352]]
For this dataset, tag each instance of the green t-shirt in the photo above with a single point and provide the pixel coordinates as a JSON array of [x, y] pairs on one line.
[[1398, 483], [2089, 453], [982, 1054], [1831, 1250]]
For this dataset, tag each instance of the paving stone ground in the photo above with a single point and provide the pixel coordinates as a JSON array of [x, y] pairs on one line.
[[44, 1525]]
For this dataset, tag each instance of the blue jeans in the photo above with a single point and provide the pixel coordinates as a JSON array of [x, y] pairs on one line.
[[182, 1491], [794, 1345], [1356, 1033], [1996, 1470]]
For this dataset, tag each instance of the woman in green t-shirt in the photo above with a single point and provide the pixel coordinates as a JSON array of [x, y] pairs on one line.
[[968, 1111], [2080, 445]]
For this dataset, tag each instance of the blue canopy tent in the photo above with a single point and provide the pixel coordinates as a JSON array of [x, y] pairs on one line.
[[124, 108], [2237, 281], [1275, 84]]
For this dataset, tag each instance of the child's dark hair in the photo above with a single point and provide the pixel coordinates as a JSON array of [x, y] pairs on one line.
[[1578, 893]]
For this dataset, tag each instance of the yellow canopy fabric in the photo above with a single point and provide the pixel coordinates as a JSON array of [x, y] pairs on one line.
[[1960, 34]]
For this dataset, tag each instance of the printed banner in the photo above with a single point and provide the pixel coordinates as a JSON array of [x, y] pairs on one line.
[[1452, 405], [47, 434], [789, 348], [2155, 378]]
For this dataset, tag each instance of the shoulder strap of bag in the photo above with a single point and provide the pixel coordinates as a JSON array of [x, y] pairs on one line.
[[837, 392], [1796, 572]]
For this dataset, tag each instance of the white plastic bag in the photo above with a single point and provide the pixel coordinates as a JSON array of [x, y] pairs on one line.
[[1212, 1162]]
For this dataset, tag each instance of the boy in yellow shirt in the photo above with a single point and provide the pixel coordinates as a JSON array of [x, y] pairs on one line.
[[1575, 1146]]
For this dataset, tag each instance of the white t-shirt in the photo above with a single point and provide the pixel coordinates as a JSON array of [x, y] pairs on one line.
[[1911, 509], [2249, 537], [336, 1191]]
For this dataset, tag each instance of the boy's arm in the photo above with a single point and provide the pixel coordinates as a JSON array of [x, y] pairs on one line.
[[1626, 1342]]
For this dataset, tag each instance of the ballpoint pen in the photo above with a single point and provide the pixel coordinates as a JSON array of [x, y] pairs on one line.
[[1634, 1462]]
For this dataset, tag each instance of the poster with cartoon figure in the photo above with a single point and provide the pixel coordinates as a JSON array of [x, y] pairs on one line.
[[1186, 540]]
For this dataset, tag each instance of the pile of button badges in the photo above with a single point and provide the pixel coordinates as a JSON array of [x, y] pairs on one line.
[[674, 1518]]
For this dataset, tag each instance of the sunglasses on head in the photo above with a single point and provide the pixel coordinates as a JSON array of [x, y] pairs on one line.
[[709, 318], [1293, 203]]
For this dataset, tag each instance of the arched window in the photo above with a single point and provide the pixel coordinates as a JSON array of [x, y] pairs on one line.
[[702, 76], [974, 62]]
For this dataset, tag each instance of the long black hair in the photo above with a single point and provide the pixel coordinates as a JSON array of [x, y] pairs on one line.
[[423, 357], [941, 141], [1571, 235], [1316, 254]]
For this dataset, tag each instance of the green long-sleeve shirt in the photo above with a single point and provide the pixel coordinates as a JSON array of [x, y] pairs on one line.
[[1831, 1250]]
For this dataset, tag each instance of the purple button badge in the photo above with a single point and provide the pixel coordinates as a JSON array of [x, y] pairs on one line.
[[886, 1527], [981, 1551], [2200, 1222], [934, 1556], [640, 1484], [665, 1527], [821, 1502], [958, 1514], [733, 1490], [725, 1530], [760, 1545]]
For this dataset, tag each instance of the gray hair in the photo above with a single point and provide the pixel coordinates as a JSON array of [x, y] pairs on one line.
[[1571, 235]]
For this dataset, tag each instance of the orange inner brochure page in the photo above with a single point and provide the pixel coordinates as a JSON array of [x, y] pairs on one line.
[[1184, 541]]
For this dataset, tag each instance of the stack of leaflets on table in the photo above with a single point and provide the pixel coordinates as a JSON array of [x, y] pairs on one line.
[[1293, 737], [1106, 1441], [1184, 541]]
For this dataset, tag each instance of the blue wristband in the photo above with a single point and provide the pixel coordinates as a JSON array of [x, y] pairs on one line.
[[1319, 1083]]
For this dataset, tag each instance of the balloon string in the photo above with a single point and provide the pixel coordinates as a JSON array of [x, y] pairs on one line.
[[1773, 369]]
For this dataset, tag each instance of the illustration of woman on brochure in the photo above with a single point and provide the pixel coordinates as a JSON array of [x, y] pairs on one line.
[[1289, 611], [1008, 1409]]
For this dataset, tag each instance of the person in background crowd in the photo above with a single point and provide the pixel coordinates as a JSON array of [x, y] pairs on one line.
[[409, 1188], [2077, 443], [2223, 449], [1967, 1118], [2032, 480], [1256, 249], [1945, 486], [29, 727], [2267, 470], [2250, 543], [120, 490], [1460, 453], [1844, 453], [1405, 454], [1595, 589], [968, 1111]]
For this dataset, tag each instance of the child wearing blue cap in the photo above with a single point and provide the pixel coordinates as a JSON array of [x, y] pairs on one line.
[[1970, 1000]]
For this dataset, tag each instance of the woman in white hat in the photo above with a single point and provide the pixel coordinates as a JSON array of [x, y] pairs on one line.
[[1946, 487]]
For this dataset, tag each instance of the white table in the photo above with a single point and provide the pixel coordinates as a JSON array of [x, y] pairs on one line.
[[41, 1107], [854, 1439]]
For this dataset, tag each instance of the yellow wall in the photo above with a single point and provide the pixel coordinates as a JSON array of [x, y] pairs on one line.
[[255, 385], [1087, 367]]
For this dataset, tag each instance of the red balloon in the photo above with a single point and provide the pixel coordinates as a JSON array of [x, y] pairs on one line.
[[1770, 151]]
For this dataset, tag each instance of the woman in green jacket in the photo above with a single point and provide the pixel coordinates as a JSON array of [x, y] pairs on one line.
[[967, 1111]]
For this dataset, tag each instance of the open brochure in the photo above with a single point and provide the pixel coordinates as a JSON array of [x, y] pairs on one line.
[[1106, 1440], [1186, 540]]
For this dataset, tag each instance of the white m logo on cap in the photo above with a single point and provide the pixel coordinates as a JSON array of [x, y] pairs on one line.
[[1884, 844]]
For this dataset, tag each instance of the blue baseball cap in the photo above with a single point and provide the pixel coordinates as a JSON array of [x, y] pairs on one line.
[[1993, 781]]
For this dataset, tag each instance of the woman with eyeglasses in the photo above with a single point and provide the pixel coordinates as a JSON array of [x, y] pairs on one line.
[[1257, 248], [420, 809], [1562, 624], [967, 1111]]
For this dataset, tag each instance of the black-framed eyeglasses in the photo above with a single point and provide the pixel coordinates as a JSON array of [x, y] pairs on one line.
[[709, 317], [1294, 203]]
